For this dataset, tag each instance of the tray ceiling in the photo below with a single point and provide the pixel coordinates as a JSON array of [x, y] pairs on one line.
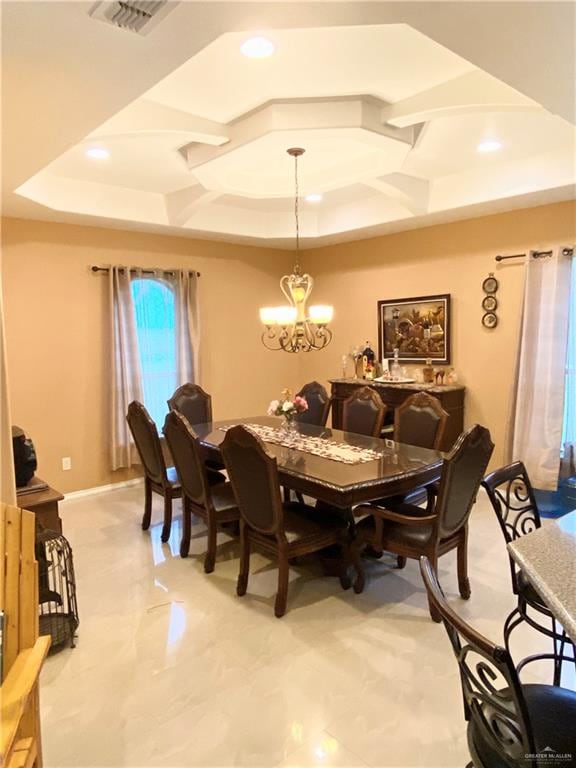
[[390, 119]]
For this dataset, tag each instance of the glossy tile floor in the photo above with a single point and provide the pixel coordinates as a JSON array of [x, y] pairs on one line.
[[171, 668]]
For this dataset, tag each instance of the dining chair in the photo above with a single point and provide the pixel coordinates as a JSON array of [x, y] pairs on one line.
[[318, 404], [412, 531], [512, 497], [213, 503], [420, 420], [191, 401], [282, 530], [157, 477], [363, 412], [510, 724], [196, 405]]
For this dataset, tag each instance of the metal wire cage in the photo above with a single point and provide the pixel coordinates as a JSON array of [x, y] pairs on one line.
[[58, 609]]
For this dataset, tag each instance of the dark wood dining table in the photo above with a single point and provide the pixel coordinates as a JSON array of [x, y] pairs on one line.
[[400, 469]]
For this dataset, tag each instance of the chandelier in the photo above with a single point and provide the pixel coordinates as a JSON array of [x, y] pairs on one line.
[[293, 327]]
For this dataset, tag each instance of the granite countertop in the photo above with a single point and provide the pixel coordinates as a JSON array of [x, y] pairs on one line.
[[415, 385], [547, 557]]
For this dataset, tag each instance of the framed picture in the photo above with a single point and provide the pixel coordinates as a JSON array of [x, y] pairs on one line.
[[418, 327]]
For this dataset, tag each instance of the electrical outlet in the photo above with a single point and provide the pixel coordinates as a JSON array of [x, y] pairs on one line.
[[66, 463]]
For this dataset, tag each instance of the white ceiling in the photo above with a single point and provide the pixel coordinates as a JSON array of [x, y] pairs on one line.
[[390, 119]]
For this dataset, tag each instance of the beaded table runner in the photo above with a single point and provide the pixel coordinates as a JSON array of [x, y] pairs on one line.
[[319, 446]]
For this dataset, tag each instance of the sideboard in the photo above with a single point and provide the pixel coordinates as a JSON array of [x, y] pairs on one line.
[[451, 397]]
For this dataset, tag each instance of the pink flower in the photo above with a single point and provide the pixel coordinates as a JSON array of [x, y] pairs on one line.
[[300, 403], [273, 408]]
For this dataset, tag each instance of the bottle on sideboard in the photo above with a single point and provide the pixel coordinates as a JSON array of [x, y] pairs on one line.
[[428, 372], [395, 369], [368, 358]]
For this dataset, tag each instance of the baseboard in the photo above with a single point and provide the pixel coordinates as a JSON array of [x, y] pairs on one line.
[[102, 489]]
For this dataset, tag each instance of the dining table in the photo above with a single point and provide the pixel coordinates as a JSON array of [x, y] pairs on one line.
[[387, 468], [547, 557]]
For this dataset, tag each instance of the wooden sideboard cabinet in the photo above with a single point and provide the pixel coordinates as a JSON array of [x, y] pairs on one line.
[[451, 397]]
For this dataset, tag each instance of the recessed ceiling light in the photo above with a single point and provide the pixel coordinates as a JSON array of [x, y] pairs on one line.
[[313, 197], [488, 146], [98, 153], [257, 48]]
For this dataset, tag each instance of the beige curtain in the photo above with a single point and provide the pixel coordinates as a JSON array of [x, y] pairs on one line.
[[539, 401], [187, 327], [7, 481], [126, 374]]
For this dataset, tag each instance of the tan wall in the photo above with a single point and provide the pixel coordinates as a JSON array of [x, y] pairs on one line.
[[452, 258], [56, 314]]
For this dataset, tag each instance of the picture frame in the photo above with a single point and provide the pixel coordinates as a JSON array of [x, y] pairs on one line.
[[418, 326]]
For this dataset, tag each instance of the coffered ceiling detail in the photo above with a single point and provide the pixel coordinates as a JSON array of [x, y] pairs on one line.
[[391, 122]]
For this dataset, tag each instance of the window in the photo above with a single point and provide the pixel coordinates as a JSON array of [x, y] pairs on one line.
[[569, 426], [155, 327]]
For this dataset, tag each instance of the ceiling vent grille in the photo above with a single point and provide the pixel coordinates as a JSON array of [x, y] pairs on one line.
[[138, 16]]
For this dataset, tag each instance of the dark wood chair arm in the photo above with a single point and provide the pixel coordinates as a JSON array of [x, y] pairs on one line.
[[394, 517]]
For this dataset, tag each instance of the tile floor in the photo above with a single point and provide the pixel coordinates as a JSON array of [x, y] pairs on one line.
[[171, 668]]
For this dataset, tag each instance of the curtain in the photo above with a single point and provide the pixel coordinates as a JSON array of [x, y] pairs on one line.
[[126, 373], [187, 327], [569, 431], [539, 402], [7, 482]]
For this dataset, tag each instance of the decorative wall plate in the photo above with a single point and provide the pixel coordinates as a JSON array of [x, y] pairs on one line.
[[489, 303], [490, 285], [490, 320]]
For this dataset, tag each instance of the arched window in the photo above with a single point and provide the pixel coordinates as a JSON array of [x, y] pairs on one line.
[[155, 327]]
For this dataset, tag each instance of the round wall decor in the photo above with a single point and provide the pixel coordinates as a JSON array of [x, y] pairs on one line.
[[489, 303], [490, 284], [490, 320]]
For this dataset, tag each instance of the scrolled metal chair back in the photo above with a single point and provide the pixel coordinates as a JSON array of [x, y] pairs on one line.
[[512, 497], [492, 693]]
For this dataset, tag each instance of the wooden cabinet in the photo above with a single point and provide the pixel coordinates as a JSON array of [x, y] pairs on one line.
[[451, 397]]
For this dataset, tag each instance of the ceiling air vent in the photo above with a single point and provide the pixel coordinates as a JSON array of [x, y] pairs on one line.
[[138, 16]]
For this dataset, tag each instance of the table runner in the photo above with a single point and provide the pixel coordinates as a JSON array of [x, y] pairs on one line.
[[319, 446]]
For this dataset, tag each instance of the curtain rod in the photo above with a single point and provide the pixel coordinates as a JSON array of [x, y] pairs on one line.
[[536, 254], [94, 268]]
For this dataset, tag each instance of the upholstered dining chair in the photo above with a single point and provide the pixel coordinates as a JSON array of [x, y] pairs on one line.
[[363, 412], [213, 503], [510, 724], [282, 530], [157, 477], [195, 405], [411, 531], [192, 402], [512, 497], [318, 404], [420, 420]]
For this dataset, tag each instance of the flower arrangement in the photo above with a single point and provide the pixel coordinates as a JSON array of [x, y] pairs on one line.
[[288, 406]]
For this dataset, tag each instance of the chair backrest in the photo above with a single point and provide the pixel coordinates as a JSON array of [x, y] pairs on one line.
[[188, 459], [253, 473], [493, 697], [420, 420], [510, 492], [191, 401], [462, 473], [147, 442], [318, 404], [363, 412]]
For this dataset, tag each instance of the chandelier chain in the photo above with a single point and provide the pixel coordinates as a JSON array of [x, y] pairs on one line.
[[296, 215]]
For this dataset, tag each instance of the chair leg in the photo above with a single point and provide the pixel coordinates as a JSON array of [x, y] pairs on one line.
[[355, 555], [400, 562], [282, 594], [147, 505], [345, 582], [210, 557], [186, 527], [463, 581], [434, 614], [167, 516], [242, 583]]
